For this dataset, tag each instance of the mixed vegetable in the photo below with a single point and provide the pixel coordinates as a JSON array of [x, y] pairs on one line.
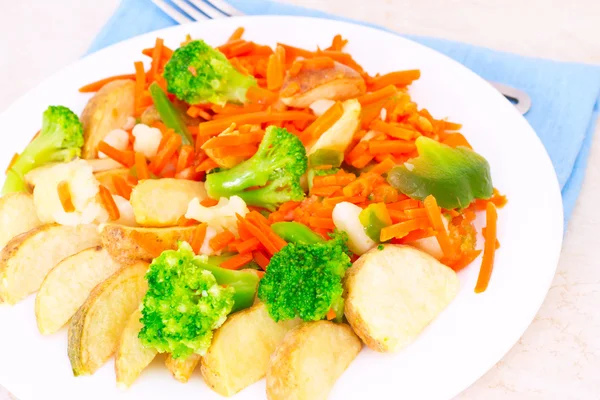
[[247, 173]]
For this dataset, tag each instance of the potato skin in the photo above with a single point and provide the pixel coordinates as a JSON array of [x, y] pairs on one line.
[[182, 370], [107, 110], [241, 348], [97, 326], [27, 258], [161, 202], [17, 215], [379, 314], [120, 241], [326, 346]]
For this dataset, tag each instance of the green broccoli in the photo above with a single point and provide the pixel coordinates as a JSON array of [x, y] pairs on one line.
[[187, 300], [198, 73], [276, 168], [60, 139], [305, 280]]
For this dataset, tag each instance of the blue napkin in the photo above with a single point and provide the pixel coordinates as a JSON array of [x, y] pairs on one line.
[[565, 96]]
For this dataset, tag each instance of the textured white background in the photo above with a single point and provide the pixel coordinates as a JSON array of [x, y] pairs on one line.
[[559, 355]]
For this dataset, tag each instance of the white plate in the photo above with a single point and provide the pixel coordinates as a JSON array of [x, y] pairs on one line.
[[461, 345]]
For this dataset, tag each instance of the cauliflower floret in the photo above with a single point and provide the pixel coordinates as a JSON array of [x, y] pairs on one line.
[[129, 123], [127, 216], [117, 138], [83, 187], [221, 216], [319, 107], [147, 139]]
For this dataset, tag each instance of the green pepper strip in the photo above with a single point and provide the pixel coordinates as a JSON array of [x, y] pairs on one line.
[[295, 232], [168, 113]]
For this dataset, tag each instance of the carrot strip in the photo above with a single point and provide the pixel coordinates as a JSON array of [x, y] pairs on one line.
[[156, 59], [242, 48], [121, 186], [206, 165], [404, 205], [95, 86], [397, 215], [318, 63], [434, 215], [221, 240], [455, 140], [398, 78], [337, 43], [64, 195], [261, 236], [164, 154], [217, 126], [248, 246], [276, 69], [261, 259], [259, 95], [208, 202], [489, 248], [237, 262], [109, 203], [332, 201], [140, 84], [198, 238], [141, 166], [466, 259], [338, 179], [362, 160], [393, 130], [233, 140], [416, 213], [321, 222], [245, 150], [125, 158], [370, 112], [383, 167], [385, 194], [390, 146], [380, 94], [330, 314], [402, 229], [291, 89], [325, 191], [167, 52], [186, 156], [358, 150], [291, 53], [236, 35], [416, 235], [324, 122]]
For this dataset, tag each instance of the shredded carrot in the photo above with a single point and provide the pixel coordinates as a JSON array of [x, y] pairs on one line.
[[318, 63], [217, 126], [416, 235], [320, 222], [198, 238], [390, 146], [95, 86], [245, 150], [338, 179], [325, 191], [185, 158], [64, 195], [467, 258], [489, 248], [393, 130], [262, 237], [338, 43], [370, 112], [378, 95], [164, 154], [330, 314], [324, 122], [248, 246], [233, 140], [434, 215], [237, 262], [276, 69], [242, 48], [397, 78], [141, 166], [261, 259], [416, 213], [404, 205], [207, 165], [193, 111], [125, 158], [167, 52], [383, 167], [402, 229], [291, 53], [208, 202], [140, 84], [156, 59], [385, 194], [121, 186], [109, 203], [362, 161], [357, 151], [259, 95], [455, 140], [221, 240], [291, 89], [237, 34], [332, 201]]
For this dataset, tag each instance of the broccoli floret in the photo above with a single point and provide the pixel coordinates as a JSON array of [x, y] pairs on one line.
[[198, 73], [186, 301], [60, 139], [276, 169], [305, 280]]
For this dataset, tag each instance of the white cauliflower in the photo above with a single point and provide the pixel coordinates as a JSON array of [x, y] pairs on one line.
[[83, 187], [345, 218], [319, 107], [221, 216], [129, 123], [127, 216], [147, 139], [117, 138]]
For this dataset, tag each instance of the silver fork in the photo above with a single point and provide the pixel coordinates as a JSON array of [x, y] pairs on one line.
[[188, 11]]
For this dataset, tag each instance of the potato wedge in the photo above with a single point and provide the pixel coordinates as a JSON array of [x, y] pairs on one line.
[[126, 243], [182, 369], [106, 177], [17, 215], [394, 293], [27, 258], [68, 285], [97, 326], [131, 356], [337, 83], [107, 110], [310, 359], [161, 202], [241, 349]]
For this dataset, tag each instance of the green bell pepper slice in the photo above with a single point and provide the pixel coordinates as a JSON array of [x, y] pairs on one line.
[[169, 114], [374, 218], [295, 232]]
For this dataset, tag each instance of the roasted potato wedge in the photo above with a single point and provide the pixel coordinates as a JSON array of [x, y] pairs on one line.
[[394, 293], [97, 326], [27, 258], [337, 83], [241, 348], [182, 369], [68, 285], [161, 202], [107, 110], [310, 359], [126, 243], [131, 356], [17, 215], [106, 177]]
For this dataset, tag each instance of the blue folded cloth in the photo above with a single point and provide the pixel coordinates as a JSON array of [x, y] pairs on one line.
[[565, 96]]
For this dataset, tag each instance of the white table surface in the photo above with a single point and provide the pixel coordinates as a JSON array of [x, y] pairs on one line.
[[558, 357]]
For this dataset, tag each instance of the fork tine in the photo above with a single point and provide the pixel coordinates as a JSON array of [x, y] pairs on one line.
[[224, 7], [191, 11], [172, 12], [212, 12]]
